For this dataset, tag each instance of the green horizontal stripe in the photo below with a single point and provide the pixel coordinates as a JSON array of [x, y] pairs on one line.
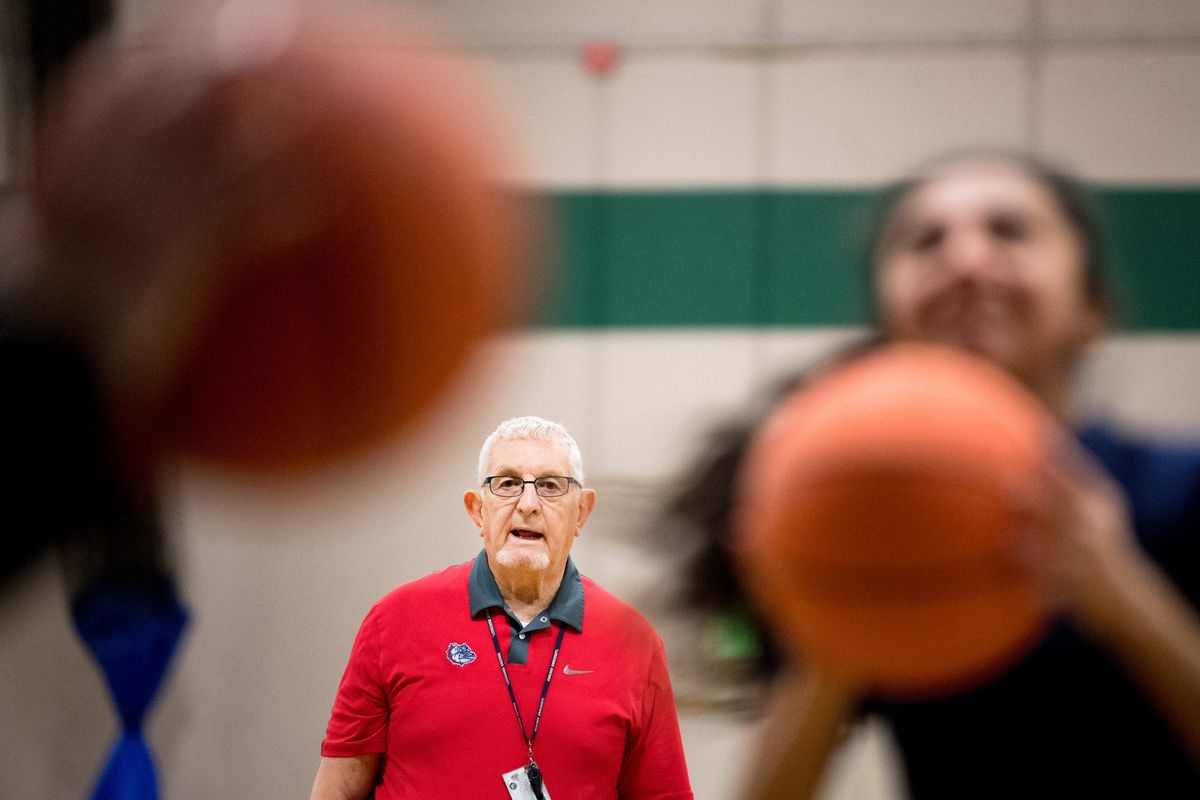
[[793, 257]]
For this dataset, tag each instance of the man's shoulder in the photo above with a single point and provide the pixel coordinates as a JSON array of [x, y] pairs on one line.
[[444, 583], [602, 607]]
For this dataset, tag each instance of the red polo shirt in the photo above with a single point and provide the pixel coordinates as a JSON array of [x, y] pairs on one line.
[[423, 687]]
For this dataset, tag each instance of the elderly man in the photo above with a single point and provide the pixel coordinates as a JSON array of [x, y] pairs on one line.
[[511, 676]]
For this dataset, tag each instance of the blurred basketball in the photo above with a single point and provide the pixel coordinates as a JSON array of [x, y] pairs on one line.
[[876, 518], [282, 225]]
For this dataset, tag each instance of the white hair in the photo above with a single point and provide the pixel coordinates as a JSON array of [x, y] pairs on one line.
[[531, 428]]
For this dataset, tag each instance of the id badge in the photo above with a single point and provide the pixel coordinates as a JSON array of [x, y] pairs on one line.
[[517, 783]]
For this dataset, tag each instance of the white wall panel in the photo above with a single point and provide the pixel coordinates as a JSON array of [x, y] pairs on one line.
[[1120, 19], [1123, 114], [1149, 382], [842, 119], [551, 104], [536, 22], [60, 724], [786, 351], [683, 121], [658, 389], [888, 20]]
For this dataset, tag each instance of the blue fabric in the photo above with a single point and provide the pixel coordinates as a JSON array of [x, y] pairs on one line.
[[129, 774], [132, 630]]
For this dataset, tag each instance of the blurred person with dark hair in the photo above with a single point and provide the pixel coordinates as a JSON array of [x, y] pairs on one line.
[[999, 255]]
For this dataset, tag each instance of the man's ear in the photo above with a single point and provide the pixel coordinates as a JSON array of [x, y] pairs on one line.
[[474, 505], [587, 501]]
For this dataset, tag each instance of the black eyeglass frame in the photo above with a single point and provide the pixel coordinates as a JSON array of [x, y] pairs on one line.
[[570, 482]]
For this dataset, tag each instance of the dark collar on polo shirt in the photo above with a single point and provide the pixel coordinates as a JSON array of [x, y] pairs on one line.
[[566, 607]]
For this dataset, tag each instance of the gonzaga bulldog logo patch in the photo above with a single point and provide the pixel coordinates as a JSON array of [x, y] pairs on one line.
[[460, 654]]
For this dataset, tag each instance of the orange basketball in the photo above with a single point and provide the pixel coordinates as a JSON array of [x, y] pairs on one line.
[[876, 520], [304, 208]]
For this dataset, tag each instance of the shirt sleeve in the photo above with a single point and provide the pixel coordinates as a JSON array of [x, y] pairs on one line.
[[654, 766], [359, 720]]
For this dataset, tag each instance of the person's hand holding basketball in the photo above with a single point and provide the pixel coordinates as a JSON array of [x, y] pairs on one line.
[[1080, 550], [1078, 543]]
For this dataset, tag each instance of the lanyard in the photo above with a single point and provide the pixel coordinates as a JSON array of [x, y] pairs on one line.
[[508, 683]]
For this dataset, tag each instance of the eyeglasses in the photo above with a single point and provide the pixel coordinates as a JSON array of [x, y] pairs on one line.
[[545, 486]]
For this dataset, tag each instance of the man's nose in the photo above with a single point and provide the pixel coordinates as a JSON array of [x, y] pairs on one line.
[[530, 500]]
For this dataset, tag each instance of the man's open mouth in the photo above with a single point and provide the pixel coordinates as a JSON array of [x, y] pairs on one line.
[[521, 533]]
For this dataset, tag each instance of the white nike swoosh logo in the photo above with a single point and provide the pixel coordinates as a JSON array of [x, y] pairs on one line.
[[568, 671]]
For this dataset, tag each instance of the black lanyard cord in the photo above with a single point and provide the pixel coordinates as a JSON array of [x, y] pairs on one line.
[[508, 683]]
